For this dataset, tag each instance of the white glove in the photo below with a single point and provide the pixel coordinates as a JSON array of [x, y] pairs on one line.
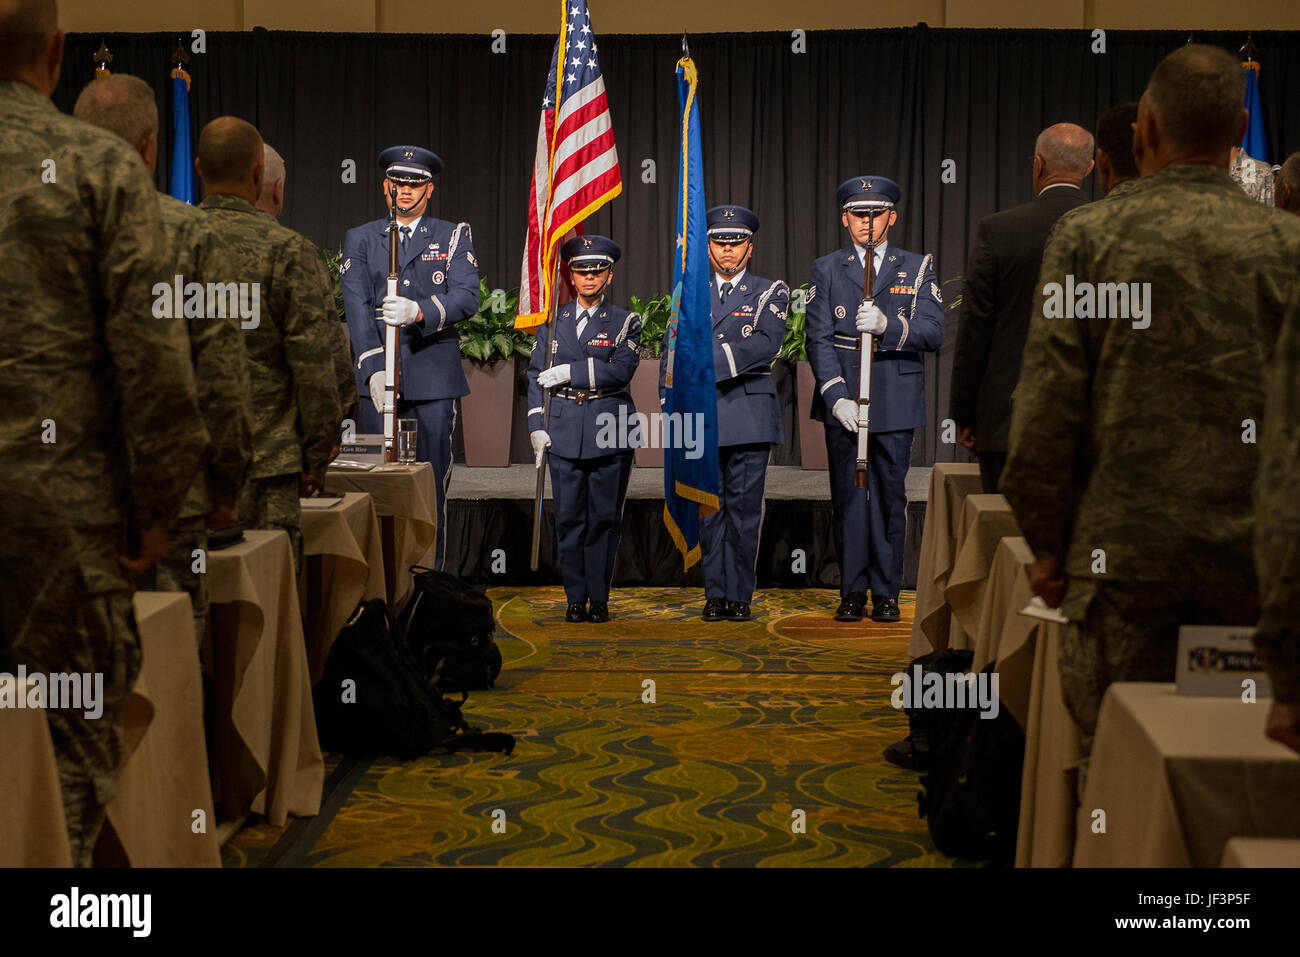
[[555, 375], [870, 319], [400, 311], [377, 391], [541, 440], [846, 410]]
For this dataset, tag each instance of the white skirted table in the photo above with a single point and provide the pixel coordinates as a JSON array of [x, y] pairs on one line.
[[950, 483]]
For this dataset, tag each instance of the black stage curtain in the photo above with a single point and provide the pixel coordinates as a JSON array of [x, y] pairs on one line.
[[781, 129]]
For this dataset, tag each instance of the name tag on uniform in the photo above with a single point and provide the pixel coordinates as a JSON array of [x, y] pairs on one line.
[[1215, 662]]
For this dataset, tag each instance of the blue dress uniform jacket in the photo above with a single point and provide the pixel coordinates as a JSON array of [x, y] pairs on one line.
[[907, 292], [603, 360], [747, 334], [437, 270]]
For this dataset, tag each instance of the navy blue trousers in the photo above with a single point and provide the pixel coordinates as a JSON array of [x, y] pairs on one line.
[[588, 496], [437, 418], [869, 529], [729, 537]]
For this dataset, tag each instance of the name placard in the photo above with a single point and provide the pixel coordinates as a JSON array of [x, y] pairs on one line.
[[1214, 662], [365, 449]]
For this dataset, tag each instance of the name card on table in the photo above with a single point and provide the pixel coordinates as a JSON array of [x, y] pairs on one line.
[[1215, 661], [366, 451]]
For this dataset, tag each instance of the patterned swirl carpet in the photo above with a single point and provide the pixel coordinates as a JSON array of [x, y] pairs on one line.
[[762, 747]]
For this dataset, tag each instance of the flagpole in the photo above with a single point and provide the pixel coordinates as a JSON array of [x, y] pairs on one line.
[[546, 415]]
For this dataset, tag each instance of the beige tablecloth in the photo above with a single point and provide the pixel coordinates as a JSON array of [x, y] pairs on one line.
[[344, 566], [985, 521], [406, 501], [1178, 777], [950, 483], [1002, 633], [266, 755], [1261, 852], [164, 780], [1049, 784], [33, 832]]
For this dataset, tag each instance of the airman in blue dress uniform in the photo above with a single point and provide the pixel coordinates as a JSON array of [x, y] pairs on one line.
[[748, 329], [906, 318], [438, 287], [594, 353]]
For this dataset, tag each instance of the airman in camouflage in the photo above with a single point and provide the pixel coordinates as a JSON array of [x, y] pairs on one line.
[[1133, 434], [271, 202], [100, 433], [1255, 177], [125, 105], [284, 290]]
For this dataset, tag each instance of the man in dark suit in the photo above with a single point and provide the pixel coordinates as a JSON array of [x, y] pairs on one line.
[[999, 292], [437, 288], [748, 328], [905, 316]]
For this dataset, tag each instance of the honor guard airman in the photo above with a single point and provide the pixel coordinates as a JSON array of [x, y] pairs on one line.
[[906, 319], [593, 355], [748, 328], [438, 287]]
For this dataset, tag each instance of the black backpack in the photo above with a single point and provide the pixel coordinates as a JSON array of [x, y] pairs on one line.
[[971, 796], [389, 709], [920, 720], [448, 625]]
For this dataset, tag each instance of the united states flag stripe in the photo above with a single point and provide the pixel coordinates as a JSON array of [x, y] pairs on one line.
[[576, 169]]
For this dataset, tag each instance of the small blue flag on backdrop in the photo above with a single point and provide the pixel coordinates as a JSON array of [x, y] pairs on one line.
[[1253, 142], [182, 184], [691, 479]]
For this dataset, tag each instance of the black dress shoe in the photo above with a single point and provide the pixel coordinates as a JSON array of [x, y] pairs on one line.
[[738, 611], [885, 609], [852, 608], [599, 612], [715, 609], [905, 754], [577, 611]]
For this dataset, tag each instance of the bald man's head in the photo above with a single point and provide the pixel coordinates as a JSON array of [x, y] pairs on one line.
[[1286, 192], [125, 105], [31, 43], [272, 198], [230, 158], [1194, 98], [1062, 154]]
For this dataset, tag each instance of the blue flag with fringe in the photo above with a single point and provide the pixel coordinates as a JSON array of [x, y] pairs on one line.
[[182, 181], [691, 479], [1253, 142]]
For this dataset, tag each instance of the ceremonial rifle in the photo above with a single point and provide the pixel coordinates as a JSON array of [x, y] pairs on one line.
[[392, 336], [866, 346]]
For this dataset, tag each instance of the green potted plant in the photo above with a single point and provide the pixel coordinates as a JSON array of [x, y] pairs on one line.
[[490, 346], [655, 314], [794, 349]]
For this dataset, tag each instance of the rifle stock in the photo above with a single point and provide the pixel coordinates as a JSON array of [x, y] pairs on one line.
[[866, 346]]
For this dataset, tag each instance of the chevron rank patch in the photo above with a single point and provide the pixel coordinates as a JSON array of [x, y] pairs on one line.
[[347, 264], [934, 291]]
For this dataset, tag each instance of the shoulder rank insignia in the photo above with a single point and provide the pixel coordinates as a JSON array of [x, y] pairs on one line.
[[812, 291], [347, 264], [934, 290]]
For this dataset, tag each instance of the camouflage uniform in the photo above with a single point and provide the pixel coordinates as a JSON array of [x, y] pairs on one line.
[[99, 420], [1277, 516], [293, 393], [221, 377], [1133, 441], [1254, 176]]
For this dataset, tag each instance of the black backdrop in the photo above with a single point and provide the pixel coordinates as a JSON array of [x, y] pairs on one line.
[[781, 129]]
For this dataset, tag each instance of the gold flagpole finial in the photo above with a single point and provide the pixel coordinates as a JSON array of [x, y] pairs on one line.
[[102, 59], [180, 56]]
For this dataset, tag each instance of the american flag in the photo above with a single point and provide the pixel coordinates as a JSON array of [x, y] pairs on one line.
[[576, 169]]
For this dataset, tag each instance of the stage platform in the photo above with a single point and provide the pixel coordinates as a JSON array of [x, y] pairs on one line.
[[489, 529]]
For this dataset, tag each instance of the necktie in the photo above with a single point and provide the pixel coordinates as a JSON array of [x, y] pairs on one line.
[[406, 234], [724, 292], [582, 322]]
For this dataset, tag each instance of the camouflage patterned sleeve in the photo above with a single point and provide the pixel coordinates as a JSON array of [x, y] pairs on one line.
[[1049, 409], [221, 377], [160, 419], [1277, 515], [307, 350]]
